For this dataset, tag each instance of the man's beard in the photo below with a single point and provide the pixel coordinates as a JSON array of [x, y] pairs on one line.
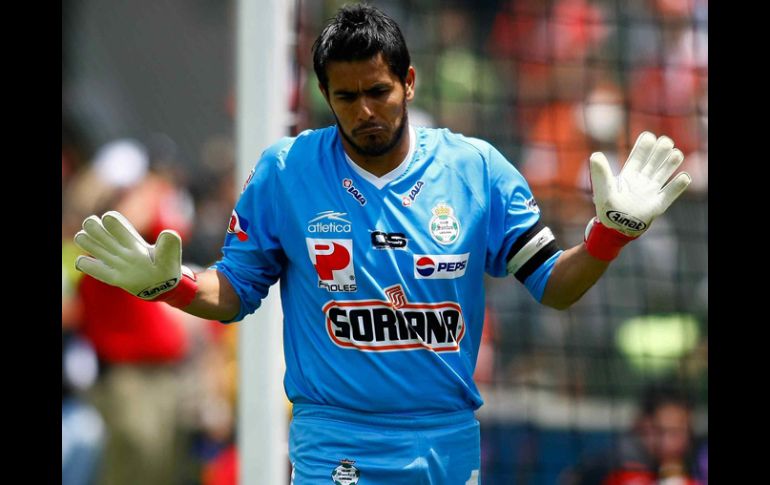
[[378, 149]]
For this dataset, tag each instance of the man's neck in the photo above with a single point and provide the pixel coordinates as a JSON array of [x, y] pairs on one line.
[[382, 164]]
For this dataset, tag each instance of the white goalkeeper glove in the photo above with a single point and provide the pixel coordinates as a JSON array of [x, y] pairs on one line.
[[627, 204], [121, 257]]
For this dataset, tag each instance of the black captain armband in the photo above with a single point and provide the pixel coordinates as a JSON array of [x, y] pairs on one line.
[[530, 250]]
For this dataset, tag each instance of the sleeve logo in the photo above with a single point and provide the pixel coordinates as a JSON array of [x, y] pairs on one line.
[[238, 226]]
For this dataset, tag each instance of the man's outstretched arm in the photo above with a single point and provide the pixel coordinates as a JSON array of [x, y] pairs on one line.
[[574, 273], [215, 299], [626, 205], [119, 256]]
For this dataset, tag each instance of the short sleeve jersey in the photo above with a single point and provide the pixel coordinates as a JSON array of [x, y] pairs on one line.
[[382, 288]]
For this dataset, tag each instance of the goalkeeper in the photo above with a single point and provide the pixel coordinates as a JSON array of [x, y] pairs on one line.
[[380, 233]]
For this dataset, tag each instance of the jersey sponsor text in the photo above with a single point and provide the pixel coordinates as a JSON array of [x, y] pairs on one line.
[[378, 325]]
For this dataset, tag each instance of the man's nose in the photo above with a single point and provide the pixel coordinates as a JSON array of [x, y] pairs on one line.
[[364, 108]]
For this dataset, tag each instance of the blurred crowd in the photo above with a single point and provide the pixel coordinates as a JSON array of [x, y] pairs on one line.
[[148, 392]]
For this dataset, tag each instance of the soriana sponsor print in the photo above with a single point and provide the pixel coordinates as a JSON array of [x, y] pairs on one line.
[[395, 324]]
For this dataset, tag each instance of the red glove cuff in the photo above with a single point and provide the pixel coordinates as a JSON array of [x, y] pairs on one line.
[[184, 292], [604, 243]]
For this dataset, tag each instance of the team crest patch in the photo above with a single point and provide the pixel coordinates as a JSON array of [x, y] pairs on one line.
[[346, 473], [444, 226]]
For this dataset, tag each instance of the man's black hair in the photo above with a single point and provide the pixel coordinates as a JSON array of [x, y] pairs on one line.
[[359, 32]]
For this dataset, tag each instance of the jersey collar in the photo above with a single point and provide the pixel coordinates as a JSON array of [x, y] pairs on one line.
[[381, 182]]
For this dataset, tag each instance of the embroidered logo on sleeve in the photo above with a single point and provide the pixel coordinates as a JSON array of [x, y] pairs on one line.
[[238, 226]]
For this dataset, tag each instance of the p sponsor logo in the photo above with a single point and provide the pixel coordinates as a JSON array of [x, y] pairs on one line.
[[333, 261], [440, 266], [395, 324]]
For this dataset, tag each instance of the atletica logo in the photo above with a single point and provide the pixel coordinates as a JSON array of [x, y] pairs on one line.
[[333, 261], [353, 191], [630, 222], [158, 289], [409, 198], [395, 324], [440, 266], [335, 222]]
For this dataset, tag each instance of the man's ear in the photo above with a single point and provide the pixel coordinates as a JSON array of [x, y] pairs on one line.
[[324, 92], [409, 83]]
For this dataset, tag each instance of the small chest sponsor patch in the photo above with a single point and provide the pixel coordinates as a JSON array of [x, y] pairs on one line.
[[354, 191], [440, 266], [407, 200]]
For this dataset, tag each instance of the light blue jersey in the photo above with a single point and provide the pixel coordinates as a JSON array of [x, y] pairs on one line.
[[382, 287]]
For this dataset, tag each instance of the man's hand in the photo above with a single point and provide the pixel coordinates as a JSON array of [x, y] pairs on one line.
[[121, 257], [629, 202]]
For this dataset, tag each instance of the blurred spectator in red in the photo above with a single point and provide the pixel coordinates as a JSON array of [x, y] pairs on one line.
[[668, 82], [139, 344], [82, 427], [565, 107], [658, 449]]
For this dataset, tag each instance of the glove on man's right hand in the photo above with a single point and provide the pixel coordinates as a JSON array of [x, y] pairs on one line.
[[122, 258]]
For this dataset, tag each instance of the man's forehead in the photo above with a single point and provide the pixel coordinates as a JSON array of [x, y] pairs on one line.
[[359, 74]]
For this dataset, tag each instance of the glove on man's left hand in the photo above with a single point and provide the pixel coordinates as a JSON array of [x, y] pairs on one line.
[[630, 201]]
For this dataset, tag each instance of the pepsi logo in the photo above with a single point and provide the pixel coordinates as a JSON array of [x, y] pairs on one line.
[[440, 266], [425, 266]]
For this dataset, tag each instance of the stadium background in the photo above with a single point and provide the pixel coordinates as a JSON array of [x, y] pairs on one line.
[[547, 82]]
